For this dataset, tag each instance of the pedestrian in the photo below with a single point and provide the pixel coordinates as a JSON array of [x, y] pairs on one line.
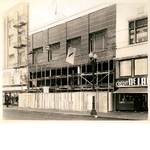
[[7, 100]]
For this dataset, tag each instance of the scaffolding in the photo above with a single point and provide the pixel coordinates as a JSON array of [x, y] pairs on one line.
[[72, 78]]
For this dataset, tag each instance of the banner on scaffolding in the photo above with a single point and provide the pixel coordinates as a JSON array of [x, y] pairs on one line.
[[71, 55]]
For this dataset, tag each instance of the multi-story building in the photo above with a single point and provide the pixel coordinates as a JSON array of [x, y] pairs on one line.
[[131, 57], [92, 30], [16, 27]]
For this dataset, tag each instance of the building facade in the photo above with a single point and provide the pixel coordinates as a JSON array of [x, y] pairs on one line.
[[90, 31], [131, 57], [16, 27]]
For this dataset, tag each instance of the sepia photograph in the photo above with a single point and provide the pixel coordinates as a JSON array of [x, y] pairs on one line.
[[64, 60], [74, 74]]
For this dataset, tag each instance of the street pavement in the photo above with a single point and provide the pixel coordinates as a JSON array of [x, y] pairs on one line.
[[17, 113]]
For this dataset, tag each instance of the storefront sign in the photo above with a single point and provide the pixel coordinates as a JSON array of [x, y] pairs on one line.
[[13, 76], [133, 81]]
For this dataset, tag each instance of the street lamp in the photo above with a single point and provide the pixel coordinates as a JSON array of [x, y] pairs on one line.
[[93, 58]]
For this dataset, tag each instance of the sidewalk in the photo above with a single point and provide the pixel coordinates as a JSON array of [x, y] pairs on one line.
[[124, 115]]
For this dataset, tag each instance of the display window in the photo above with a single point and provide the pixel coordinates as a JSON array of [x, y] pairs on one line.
[[141, 66], [134, 98], [125, 68]]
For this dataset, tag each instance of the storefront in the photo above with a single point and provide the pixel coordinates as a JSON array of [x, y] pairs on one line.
[[14, 82], [132, 94]]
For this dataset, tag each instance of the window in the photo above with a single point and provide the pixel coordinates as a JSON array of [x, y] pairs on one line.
[[36, 57], [98, 41], [141, 66], [125, 68], [75, 43], [138, 31], [54, 51]]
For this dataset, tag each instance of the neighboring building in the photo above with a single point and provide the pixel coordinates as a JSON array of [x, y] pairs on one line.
[[93, 30], [16, 27], [132, 57]]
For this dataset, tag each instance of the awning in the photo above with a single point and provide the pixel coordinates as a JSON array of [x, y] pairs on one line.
[[131, 90]]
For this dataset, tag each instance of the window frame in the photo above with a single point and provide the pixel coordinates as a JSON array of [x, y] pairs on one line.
[[144, 75], [93, 36], [134, 28], [131, 68]]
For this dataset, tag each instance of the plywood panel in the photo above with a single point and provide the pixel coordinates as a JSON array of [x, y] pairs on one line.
[[73, 101], [52, 96], [85, 101], [103, 102]]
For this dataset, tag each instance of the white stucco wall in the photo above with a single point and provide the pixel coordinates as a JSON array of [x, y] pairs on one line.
[[125, 13]]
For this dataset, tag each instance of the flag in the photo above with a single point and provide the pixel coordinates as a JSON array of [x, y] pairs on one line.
[[71, 55]]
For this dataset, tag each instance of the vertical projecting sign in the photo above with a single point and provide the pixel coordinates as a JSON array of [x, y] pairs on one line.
[[71, 55]]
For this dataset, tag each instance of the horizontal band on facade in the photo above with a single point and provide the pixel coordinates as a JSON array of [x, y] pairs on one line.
[[130, 57], [132, 90]]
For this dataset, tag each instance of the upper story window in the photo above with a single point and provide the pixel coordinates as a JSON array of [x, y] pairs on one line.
[[36, 55], [138, 31], [54, 51], [98, 41], [74, 43]]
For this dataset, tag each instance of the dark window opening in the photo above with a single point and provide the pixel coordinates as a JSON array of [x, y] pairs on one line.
[[30, 75], [47, 82], [110, 78], [47, 73], [75, 80], [99, 67], [38, 83], [58, 82], [43, 82], [71, 71], [89, 68], [89, 78], [52, 82], [43, 73], [34, 75], [105, 78], [38, 74], [53, 72], [83, 80], [99, 79], [105, 66], [111, 65], [64, 71], [58, 71], [31, 84], [64, 81], [75, 70], [83, 68]]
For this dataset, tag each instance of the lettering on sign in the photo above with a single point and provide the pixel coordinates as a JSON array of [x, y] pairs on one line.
[[133, 81]]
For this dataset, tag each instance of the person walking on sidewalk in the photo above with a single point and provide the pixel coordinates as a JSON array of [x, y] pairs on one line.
[[7, 100]]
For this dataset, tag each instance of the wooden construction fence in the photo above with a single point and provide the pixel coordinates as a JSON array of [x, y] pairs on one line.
[[75, 101]]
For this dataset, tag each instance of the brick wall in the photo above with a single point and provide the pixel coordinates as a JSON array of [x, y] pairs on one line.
[[82, 26]]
